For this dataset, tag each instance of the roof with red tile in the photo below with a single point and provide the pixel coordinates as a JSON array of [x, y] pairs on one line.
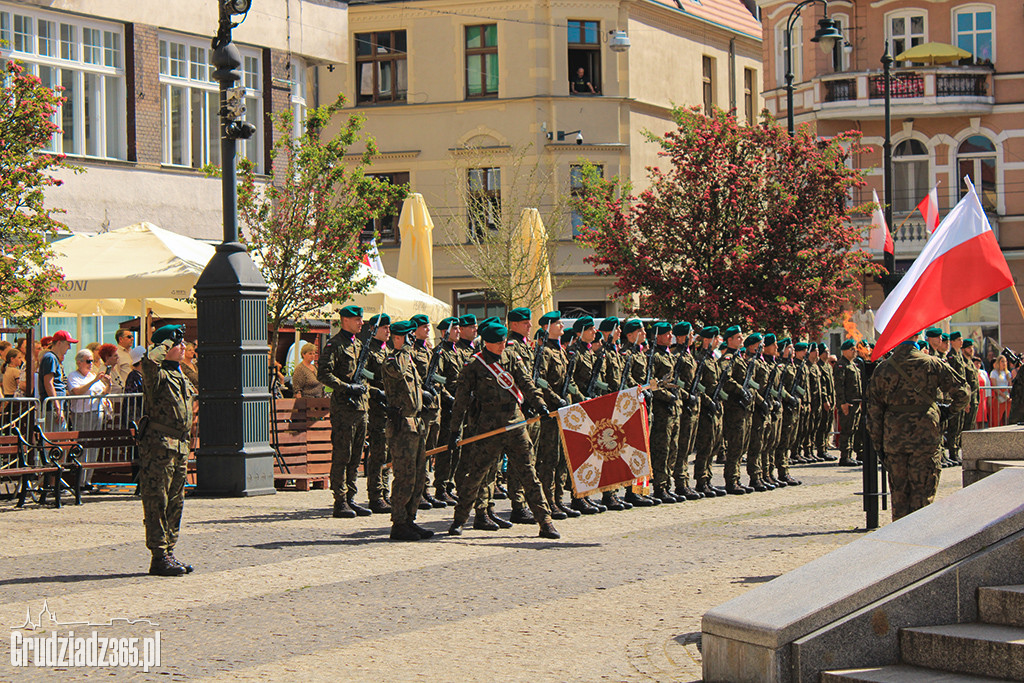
[[731, 14]]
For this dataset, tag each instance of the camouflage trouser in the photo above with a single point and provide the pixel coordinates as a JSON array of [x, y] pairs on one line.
[[162, 486], [348, 435], [770, 446], [808, 425], [409, 462], [847, 430], [376, 471], [447, 462], [549, 457], [823, 433], [684, 446], [431, 435], [787, 434], [913, 480], [478, 458], [736, 432], [954, 428], [708, 441], [664, 440], [759, 443]]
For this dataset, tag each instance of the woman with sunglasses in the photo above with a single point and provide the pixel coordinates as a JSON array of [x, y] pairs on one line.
[[86, 414]]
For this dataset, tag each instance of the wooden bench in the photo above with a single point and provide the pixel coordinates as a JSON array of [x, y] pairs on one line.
[[14, 464], [116, 449]]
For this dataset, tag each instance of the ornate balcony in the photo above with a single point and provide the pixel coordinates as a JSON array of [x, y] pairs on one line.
[[920, 91], [911, 235]]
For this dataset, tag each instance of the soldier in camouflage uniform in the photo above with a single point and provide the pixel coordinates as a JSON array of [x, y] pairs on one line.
[[519, 322], [971, 417], [689, 405], [449, 367], [490, 390], [421, 354], [408, 405], [634, 372], [764, 420], [789, 395], [809, 418], [664, 413], [164, 447], [739, 407], [903, 422], [964, 367], [709, 425], [377, 472], [827, 419], [609, 384], [848, 399], [589, 365], [349, 404]]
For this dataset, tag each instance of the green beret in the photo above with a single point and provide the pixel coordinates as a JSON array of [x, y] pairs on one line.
[[631, 326], [953, 336], [847, 345], [681, 329], [487, 322], [449, 321], [598, 337], [518, 315], [822, 348], [968, 342], [351, 312], [731, 331], [402, 327], [709, 331], [800, 346], [660, 328], [550, 317], [175, 332], [608, 324], [567, 336], [784, 342], [384, 318], [770, 339], [921, 346], [419, 320], [723, 346], [753, 339], [495, 332], [945, 337], [933, 332], [584, 323], [467, 320]]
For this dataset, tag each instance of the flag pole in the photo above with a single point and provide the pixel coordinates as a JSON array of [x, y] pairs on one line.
[[1013, 288]]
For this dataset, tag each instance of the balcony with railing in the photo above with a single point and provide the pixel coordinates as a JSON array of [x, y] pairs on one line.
[[920, 91], [911, 234]]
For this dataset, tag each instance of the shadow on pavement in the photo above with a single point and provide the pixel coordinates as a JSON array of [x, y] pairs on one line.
[[71, 578], [801, 534], [755, 579], [283, 516]]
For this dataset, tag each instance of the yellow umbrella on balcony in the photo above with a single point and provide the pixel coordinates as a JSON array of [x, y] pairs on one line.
[[416, 259], [933, 53], [534, 237]]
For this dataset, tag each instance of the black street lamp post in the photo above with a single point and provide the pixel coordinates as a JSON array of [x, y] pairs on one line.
[[826, 36], [234, 456]]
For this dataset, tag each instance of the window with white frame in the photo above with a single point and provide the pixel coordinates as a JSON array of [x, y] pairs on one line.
[[190, 103], [973, 26], [298, 97], [795, 50], [906, 29], [83, 57], [841, 50], [910, 161]]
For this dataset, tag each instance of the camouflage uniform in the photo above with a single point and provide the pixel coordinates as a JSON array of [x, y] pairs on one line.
[[826, 418], [709, 425], [446, 462], [764, 420], [164, 447], [407, 432], [348, 413], [903, 422], [550, 459], [664, 419], [848, 390], [686, 368], [793, 387], [485, 405], [812, 414], [377, 473], [957, 420], [737, 418], [1016, 399]]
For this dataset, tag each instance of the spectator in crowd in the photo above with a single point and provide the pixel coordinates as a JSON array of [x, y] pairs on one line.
[[4, 345], [304, 381], [983, 394], [53, 382], [12, 383], [124, 339], [86, 415], [278, 381], [999, 407], [188, 364], [133, 385], [111, 359]]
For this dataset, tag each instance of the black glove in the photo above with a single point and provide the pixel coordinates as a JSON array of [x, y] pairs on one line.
[[429, 398], [945, 411], [379, 395], [453, 440], [776, 406], [560, 403], [355, 389], [447, 400], [764, 408], [745, 398], [648, 397], [792, 402]]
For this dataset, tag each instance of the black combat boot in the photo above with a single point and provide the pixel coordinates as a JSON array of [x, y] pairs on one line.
[[187, 567], [342, 509], [500, 521], [162, 565], [735, 489], [482, 523], [609, 501], [424, 533], [757, 485], [456, 528], [522, 516], [404, 532], [434, 502], [359, 509], [547, 530], [380, 506], [569, 512], [599, 506], [499, 492], [580, 505]]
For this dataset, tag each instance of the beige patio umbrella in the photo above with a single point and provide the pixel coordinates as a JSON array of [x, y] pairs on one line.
[[416, 259], [933, 53], [535, 239]]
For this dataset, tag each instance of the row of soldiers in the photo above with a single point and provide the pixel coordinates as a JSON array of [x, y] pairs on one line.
[[709, 392]]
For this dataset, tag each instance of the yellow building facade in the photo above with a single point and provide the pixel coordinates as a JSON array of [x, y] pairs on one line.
[[487, 97]]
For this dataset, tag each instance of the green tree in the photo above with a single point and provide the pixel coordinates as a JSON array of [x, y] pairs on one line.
[[746, 225], [303, 226], [28, 280]]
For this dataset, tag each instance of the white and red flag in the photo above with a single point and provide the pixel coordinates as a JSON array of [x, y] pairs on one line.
[[606, 440], [959, 266], [929, 208], [879, 238], [371, 259]]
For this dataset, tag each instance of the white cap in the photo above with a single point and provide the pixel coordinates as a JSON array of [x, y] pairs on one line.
[[137, 353]]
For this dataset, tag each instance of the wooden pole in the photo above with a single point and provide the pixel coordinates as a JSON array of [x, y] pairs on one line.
[[1020, 306]]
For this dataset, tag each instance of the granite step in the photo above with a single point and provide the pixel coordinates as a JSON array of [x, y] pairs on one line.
[[1001, 605], [996, 465], [900, 673], [979, 649]]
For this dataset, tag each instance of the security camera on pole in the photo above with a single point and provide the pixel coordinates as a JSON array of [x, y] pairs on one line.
[[234, 456]]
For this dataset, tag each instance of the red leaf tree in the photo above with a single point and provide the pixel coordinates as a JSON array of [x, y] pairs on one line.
[[746, 225]]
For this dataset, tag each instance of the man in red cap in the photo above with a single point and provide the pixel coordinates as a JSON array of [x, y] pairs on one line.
[[52, 380]]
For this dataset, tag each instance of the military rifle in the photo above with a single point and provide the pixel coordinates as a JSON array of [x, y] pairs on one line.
[[598, 364], [627, 368], [361, 372], [432, 379], [538, 358], [719, 394], [768, 403], [572, 352], [696, 389], [798, 389], [748, 380]]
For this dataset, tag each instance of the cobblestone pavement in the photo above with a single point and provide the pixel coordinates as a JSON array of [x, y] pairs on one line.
[[282, 591]]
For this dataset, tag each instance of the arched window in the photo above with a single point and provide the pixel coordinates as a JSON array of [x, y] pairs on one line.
[[909, 175], [976, 157]]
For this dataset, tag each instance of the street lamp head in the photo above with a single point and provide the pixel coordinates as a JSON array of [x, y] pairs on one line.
[[827, 35], [236, 6]]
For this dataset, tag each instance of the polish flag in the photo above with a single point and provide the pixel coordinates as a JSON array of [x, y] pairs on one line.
[[879, 238], [960, 265], [929, 208], [371, 259]]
